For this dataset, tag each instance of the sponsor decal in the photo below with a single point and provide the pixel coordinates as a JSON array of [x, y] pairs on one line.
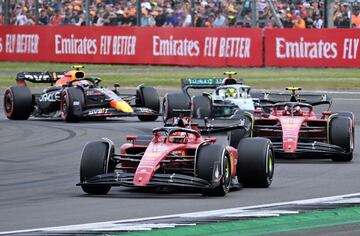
[[75, 45], [22, 43], [327, 47], [50, 97], [98, 111], [152, 155], [206, 47]]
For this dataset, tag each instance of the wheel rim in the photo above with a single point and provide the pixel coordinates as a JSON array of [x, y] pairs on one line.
[[165, 110], [227, 172], [64, 106], [351, 140], [8, 102], [270, 163]]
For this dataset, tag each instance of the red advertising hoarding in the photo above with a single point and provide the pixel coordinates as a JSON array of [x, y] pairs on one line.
[[133, 45], [312, 47]]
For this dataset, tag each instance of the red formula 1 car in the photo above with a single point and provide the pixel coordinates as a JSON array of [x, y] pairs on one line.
[[297, 131], [179, 157]]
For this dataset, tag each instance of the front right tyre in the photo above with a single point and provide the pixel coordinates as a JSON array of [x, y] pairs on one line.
[[72, 104], [342, 135], [255, 167]]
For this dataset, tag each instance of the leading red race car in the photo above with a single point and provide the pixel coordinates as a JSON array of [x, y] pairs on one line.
[[177, 156], [297, 131]]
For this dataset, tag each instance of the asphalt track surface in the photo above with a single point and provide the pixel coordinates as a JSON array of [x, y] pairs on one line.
[[39, 167]]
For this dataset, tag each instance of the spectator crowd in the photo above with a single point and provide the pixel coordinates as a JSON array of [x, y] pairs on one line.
[[177, 13]]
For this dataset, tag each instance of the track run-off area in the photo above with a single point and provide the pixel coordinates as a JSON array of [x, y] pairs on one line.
[[40, 160]]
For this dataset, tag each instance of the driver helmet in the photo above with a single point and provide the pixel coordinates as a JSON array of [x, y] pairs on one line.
[[297, 110], [177, 137], [287, 110], [231, 93], [82, 83]]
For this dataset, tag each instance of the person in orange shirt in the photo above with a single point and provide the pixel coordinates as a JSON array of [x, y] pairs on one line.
[[299, 22], [355, 19]]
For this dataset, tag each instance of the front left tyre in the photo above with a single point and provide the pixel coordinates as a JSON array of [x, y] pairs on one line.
[[18, 103], [213, 165], [96, 160]]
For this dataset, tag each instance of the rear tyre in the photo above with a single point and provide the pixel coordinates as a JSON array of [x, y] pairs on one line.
[[213, 165], [72, 104], [255, 166], [235, 137], [342, 135], [18, 103], [347, 114], [174, 101], [96, 160], [148, 97], [200, 107]]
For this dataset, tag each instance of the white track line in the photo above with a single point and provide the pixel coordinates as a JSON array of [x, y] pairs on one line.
[[226, 212]]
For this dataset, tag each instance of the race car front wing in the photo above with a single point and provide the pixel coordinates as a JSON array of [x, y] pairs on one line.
[[112, 112], [168, 180], [313, 147]]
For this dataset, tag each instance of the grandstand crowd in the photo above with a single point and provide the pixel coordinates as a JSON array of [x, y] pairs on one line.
[[177, 13]]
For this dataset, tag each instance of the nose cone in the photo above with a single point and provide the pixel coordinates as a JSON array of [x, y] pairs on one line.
[[142, 177], [121, 106], [289, 145]]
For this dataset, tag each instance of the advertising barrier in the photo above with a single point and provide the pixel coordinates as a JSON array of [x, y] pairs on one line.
[[237, 47], [133, 45], [312, 47]]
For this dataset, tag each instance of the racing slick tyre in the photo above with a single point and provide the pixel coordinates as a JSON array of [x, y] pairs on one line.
[[174, 101], [235, 137], [342, 135], [255, 167], [148, 97], [72, 104], [200, 107], [213, 165], [18, 103], [347, 114], [96, 160]]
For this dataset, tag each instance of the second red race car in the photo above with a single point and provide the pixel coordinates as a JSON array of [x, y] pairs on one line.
[[178, 157], [291, 123]]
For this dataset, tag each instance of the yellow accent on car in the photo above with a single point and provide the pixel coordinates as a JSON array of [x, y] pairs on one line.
[[123, 106], [78, 67], [230, 73], [293, 88]]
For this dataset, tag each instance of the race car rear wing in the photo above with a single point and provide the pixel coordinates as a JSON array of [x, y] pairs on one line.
[[205, 83], [38, 77], [312, 99]]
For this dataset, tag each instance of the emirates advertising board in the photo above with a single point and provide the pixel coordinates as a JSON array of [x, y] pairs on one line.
[[312, 47], [133, 45]]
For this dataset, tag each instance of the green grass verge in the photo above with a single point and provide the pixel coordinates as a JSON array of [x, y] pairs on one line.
[[264, 226], [168, 76]]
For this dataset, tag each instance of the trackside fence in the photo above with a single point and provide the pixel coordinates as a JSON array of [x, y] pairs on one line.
[[235, 47]]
